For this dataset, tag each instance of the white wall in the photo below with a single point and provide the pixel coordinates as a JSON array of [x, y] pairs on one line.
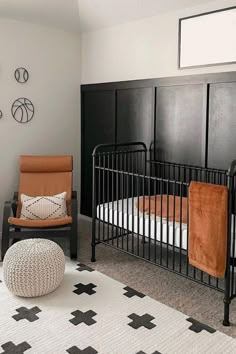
[[140, 49], [52, 58]]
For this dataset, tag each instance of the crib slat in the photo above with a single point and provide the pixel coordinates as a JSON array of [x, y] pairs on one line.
[[108, 195], [167, 226], [99, 198], [122, 199], [138, 220], [132, 192], [187, 262], [127, 203], [155, 221], [181, 214], [149, 218], [161, 192], [112, 197], [117, 202], [174, 194], [143, 234], [103, 196]]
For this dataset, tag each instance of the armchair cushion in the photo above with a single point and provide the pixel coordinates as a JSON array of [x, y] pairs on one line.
[[45, 175], [40, 223], [46, 164], [43, 207]]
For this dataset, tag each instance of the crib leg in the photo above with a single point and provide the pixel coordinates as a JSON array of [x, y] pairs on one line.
[[227, 297], [93, 244], [226, 313], [93, 258]]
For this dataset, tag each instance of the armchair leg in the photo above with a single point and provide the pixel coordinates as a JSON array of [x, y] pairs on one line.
[[73, 247], [74, 231], [5, 245]]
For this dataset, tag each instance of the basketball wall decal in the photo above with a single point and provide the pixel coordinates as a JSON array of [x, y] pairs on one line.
[[21, 75], [22, 110]]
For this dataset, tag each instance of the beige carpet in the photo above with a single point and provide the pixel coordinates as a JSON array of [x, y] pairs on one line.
[[194, 300]]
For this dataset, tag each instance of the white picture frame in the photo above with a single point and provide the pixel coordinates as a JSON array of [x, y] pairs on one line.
[[207, 39]]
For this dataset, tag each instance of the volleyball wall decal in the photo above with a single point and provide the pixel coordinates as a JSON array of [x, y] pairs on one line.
[[22, 110], [21, 75]]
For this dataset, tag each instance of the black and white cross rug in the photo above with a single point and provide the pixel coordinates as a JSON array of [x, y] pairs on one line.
[[91, 313]]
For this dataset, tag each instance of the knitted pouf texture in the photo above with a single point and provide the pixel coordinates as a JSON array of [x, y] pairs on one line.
[[33, 267]]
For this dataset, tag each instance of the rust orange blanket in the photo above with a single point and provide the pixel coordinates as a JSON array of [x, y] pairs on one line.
[[165, 206], [208, 227]]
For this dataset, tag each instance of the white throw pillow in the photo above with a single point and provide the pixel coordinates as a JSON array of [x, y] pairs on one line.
[[44, 207]]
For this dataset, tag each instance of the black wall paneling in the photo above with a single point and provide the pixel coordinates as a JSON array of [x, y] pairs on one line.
[[98, 127], [135, 115], [135, 120], [180, 129], [191, 120], [222, 125]]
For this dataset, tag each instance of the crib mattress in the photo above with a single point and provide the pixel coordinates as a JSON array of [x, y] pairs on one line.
[[161, 230], [156, 228]]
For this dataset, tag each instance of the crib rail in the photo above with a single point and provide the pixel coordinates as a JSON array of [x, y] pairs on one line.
[[128, 215]]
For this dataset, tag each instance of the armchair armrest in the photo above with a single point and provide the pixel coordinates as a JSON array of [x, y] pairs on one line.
[[15, 203], [7, 209], [74, 207], [74, 195], [6, 215], [15, 196], [9, 205], [5, 227], [74, 213]]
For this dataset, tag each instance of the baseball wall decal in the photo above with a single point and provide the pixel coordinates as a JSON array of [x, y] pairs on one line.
[[21, 75]]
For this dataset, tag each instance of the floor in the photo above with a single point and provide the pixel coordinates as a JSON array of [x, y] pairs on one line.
[[194, 300]]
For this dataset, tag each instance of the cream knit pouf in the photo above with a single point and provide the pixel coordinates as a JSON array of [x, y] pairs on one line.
[[33, 267]]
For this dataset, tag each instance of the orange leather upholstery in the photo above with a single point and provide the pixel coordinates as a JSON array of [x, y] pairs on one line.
[[40, 223], [45, 175], [46, 163]]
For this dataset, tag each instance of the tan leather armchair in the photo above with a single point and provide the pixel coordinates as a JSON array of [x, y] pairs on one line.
[[42, 175]]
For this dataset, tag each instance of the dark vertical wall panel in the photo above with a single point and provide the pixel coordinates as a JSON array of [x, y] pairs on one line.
[[135, 115], [98, 127], [192, 119], [181, 124], [222, 125]]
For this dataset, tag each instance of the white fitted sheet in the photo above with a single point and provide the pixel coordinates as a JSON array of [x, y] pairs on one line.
[[130, 223], [129, 220]]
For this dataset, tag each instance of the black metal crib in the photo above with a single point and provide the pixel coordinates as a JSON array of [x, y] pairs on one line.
[[124, 173]]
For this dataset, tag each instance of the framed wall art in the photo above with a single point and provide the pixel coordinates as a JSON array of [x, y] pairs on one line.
[[208, 39]]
